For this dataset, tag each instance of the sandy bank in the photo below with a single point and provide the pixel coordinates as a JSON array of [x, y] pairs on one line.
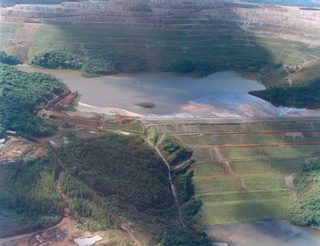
[[82, 107]]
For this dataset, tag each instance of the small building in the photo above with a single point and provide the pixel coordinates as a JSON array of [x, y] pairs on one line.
[[87, 241]]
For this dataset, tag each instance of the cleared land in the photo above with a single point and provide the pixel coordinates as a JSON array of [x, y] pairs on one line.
[[245, 180]]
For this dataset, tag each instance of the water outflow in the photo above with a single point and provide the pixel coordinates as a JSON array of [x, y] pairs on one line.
[[173, 188]]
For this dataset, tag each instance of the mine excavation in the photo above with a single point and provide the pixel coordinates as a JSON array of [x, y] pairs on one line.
[[159, 122]]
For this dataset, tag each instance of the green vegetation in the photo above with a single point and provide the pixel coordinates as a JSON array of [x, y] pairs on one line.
[[306, 75], [92, 214], [241, 184], [178, 236], [132, 184], [121, 167], [146, 104], [196, 53], [186, 189], [8, 59], [97, 67], [113, 63], [174, 152], [57, 59], [306, 209], [153, 135], [21, 94], [132, 127], [159, 50], [7, 171], [199, 68], [30, 200], [293, 96]]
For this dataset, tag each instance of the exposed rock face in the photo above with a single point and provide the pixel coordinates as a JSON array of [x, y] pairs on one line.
[[291, 23]]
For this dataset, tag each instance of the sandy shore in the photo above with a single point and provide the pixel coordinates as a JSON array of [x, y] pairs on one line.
[[82, 107]]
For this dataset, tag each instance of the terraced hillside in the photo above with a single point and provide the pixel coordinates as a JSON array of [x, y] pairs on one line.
[[225, 33], [244, 169]]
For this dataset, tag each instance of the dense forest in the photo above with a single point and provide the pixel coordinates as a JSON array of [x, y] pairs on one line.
[[21, 94], [132, 182], [30, 201], [96, 65], [294, 96], [8, 59], [306, 211], [174, 152], [113, 63], [84, 207], [57, 59], [114, 165]]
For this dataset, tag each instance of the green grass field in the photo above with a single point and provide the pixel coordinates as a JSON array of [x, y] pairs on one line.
[[132, 127], [255, 190]]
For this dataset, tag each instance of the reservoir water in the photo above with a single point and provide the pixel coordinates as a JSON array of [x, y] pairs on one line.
[[222, 94], [264, 233]]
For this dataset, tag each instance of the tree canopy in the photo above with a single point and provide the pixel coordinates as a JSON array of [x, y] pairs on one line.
[[307, 207], [30, 200], [21, 94], [8, 59], [121, 166], [294, 96], [55, 59]]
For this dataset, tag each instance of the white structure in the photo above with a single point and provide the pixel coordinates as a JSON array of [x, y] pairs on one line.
[[87, 241]]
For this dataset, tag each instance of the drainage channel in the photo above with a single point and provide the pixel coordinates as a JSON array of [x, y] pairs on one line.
[[173, 188]]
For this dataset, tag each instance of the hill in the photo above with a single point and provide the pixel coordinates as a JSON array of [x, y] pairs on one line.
[[228, 35]]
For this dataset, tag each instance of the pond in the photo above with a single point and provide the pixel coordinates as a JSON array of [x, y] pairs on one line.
[[222, 94], [264, 233]]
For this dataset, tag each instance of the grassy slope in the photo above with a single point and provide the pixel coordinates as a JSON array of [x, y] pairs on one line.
[[262, 169], [163, 44], [307, 74], [160, 47]]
